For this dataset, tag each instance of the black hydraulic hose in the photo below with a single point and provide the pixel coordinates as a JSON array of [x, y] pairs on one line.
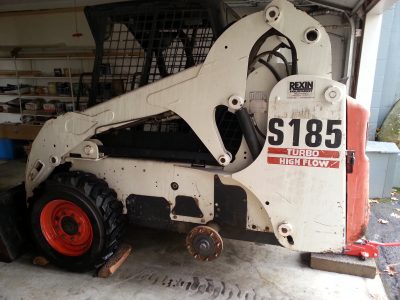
[[258, 129], [280, 46], [257, 46], [249, 132], [271, 68], [277, 54]]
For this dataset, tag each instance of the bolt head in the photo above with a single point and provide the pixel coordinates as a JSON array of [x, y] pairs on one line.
[[272, 14], [88, 150], [285, 229], [333, 94], [203, 246], [224, 159]]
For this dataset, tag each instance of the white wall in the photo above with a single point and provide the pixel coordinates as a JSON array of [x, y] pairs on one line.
[[386, 90], [44, 29]]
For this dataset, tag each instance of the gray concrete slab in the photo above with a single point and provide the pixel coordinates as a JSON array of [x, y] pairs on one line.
[[160, 267], [11, 173], [388, 210]]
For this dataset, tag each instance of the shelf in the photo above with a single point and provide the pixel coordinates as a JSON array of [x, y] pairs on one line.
[[8, 94], [89, 57], [55, 97], [10, 112], [72, 55], [47, 97], [56, 78], [39, 113], [39, 77], [53, 78]]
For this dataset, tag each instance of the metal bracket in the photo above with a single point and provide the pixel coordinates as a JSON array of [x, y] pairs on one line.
[[350, 160], [89, 150]]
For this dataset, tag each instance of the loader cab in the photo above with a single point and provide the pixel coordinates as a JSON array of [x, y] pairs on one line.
[[140, 42]]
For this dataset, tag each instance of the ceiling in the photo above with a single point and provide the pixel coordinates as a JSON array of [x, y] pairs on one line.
[[18, 5], [350, 4]]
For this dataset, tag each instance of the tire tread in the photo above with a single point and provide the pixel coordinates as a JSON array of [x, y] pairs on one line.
[[105, 199]]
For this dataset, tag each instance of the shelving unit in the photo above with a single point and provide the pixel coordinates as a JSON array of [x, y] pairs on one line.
[[40, 96], [36, 71]]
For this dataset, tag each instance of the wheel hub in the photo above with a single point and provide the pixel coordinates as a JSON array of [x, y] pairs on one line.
[[204, 243], [66, 227], [69, 225]]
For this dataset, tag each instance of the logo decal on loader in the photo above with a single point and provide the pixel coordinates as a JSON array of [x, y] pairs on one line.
[[301, 89]]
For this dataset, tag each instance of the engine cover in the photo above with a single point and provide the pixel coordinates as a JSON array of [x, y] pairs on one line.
[[300, 174]]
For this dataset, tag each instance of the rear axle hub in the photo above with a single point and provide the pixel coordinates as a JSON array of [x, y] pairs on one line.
[[204, 243]]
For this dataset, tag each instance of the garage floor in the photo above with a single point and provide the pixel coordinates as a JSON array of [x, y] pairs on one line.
[[389, 257], [160, 267]]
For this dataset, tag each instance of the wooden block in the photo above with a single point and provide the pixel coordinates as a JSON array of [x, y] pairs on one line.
[[40, 261], [115, 261], [343, 264]]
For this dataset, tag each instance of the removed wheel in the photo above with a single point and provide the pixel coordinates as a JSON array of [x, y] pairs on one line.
[[77, 221]]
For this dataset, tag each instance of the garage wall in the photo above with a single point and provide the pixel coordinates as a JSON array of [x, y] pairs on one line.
[[57, 28], [337, 29], [43, 29], [387, 76]]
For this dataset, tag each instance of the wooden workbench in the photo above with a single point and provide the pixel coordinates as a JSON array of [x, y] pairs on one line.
[[18, 131]]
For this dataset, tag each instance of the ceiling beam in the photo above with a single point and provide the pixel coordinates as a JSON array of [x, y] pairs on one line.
[[30, 5], [40, 11]]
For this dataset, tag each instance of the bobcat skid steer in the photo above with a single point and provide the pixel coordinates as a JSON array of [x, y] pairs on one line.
[[214, 128]]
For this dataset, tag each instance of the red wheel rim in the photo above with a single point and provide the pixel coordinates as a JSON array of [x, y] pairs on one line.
[[66, 227]]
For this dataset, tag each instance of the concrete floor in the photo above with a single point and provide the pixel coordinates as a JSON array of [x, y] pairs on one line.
[[11, 173], [160, 267], [389, 257]]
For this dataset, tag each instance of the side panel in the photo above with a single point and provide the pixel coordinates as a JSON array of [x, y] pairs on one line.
[[160, 192], [138, 179], [357, 180], [300, 175]]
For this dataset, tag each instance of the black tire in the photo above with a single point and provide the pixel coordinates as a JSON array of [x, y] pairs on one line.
[[102, 208]]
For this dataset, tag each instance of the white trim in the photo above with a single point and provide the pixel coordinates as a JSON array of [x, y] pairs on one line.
[[369, 53]]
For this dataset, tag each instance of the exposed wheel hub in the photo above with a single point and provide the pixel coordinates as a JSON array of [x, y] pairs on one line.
[[204, 243]]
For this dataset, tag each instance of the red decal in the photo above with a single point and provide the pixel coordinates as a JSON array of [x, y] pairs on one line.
[[303, 162], [304, 152]]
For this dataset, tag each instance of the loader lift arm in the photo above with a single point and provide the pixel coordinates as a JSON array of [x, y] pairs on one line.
[[193, 94]]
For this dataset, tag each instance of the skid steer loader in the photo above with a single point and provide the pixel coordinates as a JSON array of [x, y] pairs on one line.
[[215, 127]]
